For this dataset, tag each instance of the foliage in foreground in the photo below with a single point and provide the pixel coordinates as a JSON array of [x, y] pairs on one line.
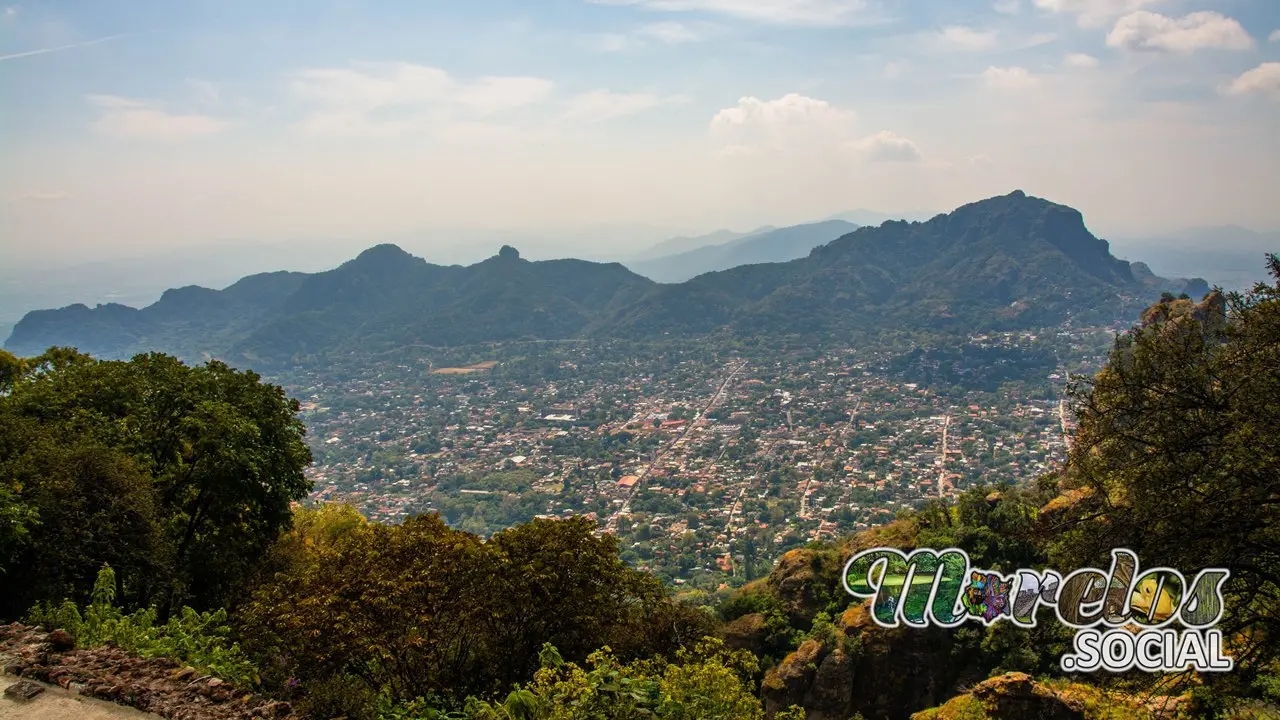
[[709, 682], [201, 640], [419, 609], [179, 477]]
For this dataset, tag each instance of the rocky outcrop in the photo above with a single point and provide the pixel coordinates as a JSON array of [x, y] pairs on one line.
[[745, 633], [1016, 696], [789, 682], [153, 685], [805, 580], [878, 672]]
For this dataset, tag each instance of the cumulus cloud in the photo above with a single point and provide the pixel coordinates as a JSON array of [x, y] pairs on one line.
[[792, 121], [1262, 80], [810, 13], [796, 124], [1093, 13], [1080, 61], [399, 96], [886, 146], [131, 119], [1010, 78], [602, 105], [1153, 32], [1275, 36]]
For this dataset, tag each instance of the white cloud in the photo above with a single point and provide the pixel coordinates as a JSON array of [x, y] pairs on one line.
[[1010, 78], [797, 126], [490, 95], [388, 97], [960, 37], [126, 118], [979, 160], [611, 42], [1080, 60], [886, 146], [1007, 7], [1148, 31], [41, 196], [1264, 80], [792, 123], [665, 33], [1093, 13], [810, 13], [671, 33], [11, 11], [602, 105], [1274, 37]]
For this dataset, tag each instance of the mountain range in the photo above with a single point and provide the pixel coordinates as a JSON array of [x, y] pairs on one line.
[[1007, 262], [768, 246], [682, 244]]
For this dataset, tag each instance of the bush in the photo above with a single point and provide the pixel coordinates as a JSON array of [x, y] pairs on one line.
[[199, 639]]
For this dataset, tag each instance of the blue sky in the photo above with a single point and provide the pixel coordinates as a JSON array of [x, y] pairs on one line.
[[132, 125]]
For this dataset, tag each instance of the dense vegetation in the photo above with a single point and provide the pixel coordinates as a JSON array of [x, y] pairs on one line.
[[180, 480]]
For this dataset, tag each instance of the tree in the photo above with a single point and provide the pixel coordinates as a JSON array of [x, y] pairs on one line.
[[421, 609], [222, 453], [709, 682], [1177, 457]]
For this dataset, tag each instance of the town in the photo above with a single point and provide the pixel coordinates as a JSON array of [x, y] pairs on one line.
[[706, 461]]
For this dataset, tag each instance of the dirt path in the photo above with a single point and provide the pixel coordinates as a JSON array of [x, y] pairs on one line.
[[58, 704], [137, 688]]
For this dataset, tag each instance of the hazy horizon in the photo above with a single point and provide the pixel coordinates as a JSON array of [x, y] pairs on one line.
[[146, 124], [258, 137]]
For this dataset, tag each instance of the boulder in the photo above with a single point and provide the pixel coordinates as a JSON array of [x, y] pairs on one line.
[[23, 690]]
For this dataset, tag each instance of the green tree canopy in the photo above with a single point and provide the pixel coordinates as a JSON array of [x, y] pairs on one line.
[[181, 477], [1177, 457]]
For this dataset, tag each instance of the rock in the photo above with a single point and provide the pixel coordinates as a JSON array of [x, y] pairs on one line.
[[61, 640], [278, 709], [804, 580], [745, 633], [184, 674], [789, 682], [15, 668], [1016, 695], [830, 695], [23, 690]]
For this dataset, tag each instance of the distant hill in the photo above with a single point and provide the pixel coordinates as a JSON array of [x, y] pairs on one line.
[[1229, 256], [779, 245], [382, 299], [1006, 262], [677, 245]]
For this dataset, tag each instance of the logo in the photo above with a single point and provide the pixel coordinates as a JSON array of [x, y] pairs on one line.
[[1124, 617]]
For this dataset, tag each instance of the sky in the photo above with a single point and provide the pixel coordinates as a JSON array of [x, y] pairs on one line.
[[138, 126]]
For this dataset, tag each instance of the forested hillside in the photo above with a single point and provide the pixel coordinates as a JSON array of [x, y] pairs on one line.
[[1010, 262]]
